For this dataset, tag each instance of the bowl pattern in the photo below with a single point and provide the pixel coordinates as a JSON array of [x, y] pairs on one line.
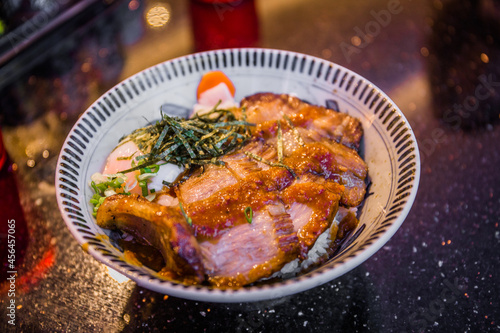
[[389, 148]]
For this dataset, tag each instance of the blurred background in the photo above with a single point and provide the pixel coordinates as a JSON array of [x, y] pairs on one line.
[[79, 49], [439, 60]]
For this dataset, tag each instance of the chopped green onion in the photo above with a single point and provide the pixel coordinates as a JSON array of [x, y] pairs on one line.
[[104, 186], [249, 214], [146, 176], [144, 187], [188, 219]]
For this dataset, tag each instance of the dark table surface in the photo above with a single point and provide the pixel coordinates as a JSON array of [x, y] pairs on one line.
[[438, 60]]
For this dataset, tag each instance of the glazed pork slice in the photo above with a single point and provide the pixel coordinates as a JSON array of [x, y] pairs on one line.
[[251, 251], [307, 155], [162, 227], [225, 208], [238, 256], [312, 203], [316, 122], [316, 180]]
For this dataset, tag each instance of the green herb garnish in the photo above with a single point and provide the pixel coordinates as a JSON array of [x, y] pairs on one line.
[[143, 179], [104, 186], [248, 214], [188, 219]]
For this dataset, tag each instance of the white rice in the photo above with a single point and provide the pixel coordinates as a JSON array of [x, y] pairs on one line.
[[319, 249]]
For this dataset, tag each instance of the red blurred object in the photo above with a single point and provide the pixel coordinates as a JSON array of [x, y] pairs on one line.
[[3, 152], [13, 227], [224, 24]]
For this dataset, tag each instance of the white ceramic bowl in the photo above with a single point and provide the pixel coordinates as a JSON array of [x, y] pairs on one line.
[[388, 147]]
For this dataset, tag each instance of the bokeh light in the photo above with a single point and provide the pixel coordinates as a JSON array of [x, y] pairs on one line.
[[158, 15]]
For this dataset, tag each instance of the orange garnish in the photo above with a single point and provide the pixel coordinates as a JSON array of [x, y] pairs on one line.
[[212, 79]]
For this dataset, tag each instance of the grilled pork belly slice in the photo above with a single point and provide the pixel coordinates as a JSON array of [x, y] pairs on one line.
[[311, 194], [312, 203], [251, 251], [335, 162], [205, 182], [162, 227], [322, 157], [318, 121], [239, 256]]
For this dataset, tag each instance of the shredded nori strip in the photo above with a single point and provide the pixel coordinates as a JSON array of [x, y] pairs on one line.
[[199, 140]]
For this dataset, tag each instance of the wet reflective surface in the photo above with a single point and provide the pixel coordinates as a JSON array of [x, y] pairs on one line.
[[438, 60]]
